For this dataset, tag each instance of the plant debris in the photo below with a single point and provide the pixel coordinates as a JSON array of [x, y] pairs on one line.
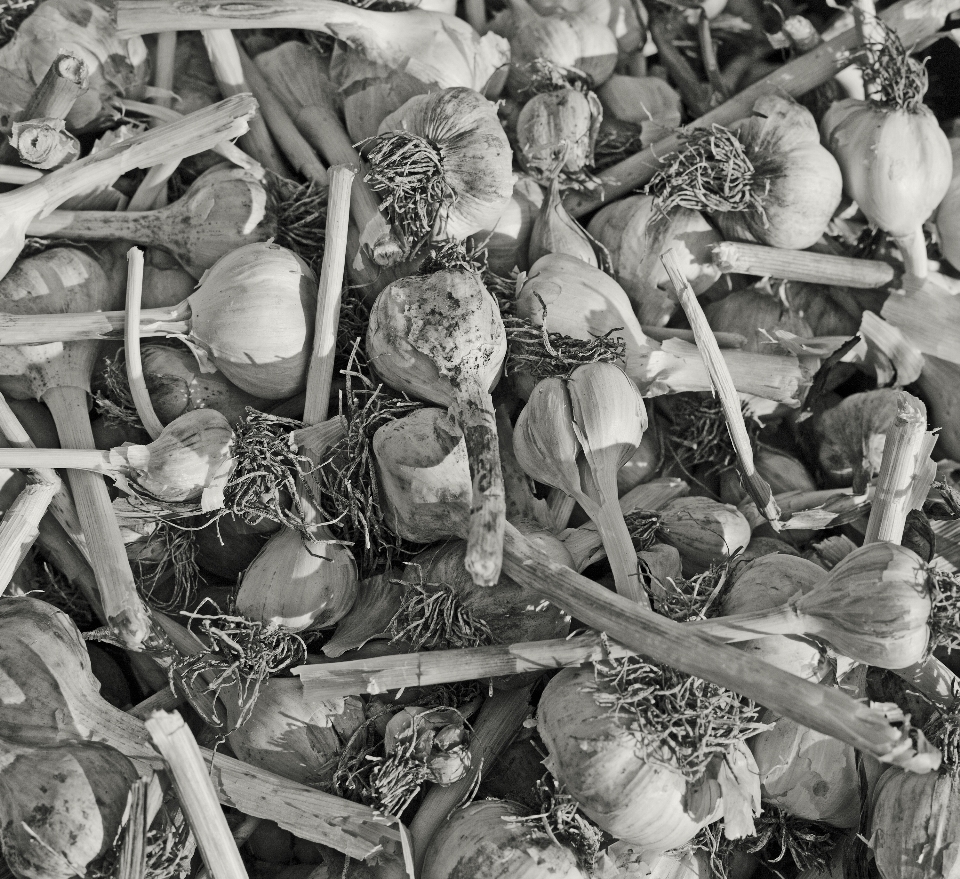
[[697, 432], [299, 213], [432, 617]]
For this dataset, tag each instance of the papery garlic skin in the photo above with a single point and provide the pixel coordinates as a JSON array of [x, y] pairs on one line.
[[555, 126], [704, 531], [481, 840], [508, 238], [947, 217]]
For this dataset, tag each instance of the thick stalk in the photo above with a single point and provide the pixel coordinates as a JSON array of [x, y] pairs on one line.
[[198, 799], [32, 329], [802, 265], [829, 711], [20, 526], [501, 718], [131, 344], [380, 674], [913, 249], [124, 610], [148, 228], [913, 20], [708, 56], [478, 421], [784, 620], [41, 145], [695, 94], [228, 71]]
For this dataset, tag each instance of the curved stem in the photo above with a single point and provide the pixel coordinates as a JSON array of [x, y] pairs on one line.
[[913, 249], [131, 344], [475, 415], [620, 552]]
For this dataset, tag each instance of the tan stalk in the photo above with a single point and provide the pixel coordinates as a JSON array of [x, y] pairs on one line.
[[501, 718], [802, 265], [191, 780], [381, 674], [292, 143], [131, 344], [225, 60], [163, 68], [64, 82], [913, 20], [757, 487]]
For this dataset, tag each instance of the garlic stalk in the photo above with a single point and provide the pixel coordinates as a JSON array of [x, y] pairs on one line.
[[440, 337], [222, 210], [872, 607], [190, 457], [433, 47], [189, 136], [261, 344]]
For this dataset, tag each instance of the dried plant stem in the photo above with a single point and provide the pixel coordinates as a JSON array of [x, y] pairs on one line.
[[831, 712], [122, 605], [913, 249], [757, 487], [229, 150], [292, 143], [320, 374], [152, 191], [199, 802], [225, 60], [708, 56], [935, 681], [64, 82], [134, 364], [802, 265], [18, 176], [913, 20], [384, 673], [902, 451], [500, 720], [695, 94], [164, 61], [20, 526], [40, 144]]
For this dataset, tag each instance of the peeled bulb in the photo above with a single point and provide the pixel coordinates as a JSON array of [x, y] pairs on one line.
[[61, 807], [486, 841], [299, 583], [292, 735], [253, 315], [636, 235]]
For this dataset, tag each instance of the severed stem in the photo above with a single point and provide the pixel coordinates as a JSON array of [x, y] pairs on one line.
[[802, 265], [902, 456], [20, 526], [198, 799], [131, 343], [228, 71], [757, 487], [18, 176], [124, 610]]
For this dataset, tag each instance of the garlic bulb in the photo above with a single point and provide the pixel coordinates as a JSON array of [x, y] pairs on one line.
[[508, 238], [555, 231], [636, 235], [177, 385], [488, 840], [299, 583], [644, 104], [421, 462], [807, 774], [915, 824], [460, 129], [440, 337], [852, 434], [618, 15], [60, 806], [253, 314], [565, 39], [558, 126], [755, 315], [703, 531], [766, 582], [291, 735], [628, 780]]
